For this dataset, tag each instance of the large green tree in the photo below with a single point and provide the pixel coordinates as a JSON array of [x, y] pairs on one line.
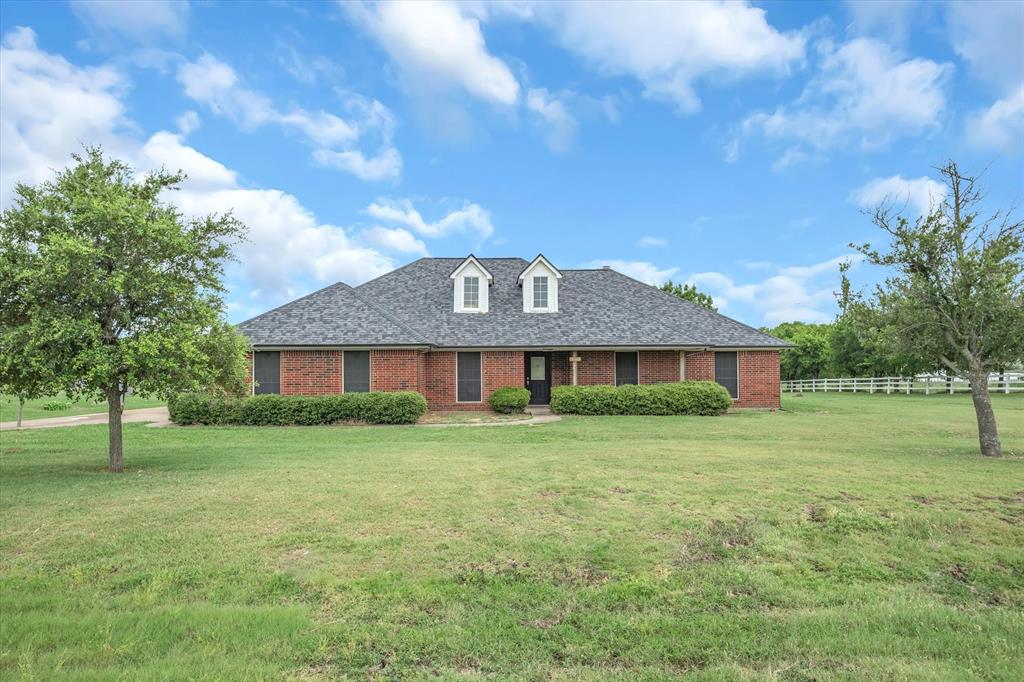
[[810, 356], [689, 292], [110, 289], [956, 295]]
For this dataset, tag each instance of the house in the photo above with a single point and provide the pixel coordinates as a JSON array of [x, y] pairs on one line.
[[456, 329]]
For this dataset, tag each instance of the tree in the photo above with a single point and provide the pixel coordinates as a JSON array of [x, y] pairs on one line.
[[811, 355], [957, 295], [689, 292], [110, 289]]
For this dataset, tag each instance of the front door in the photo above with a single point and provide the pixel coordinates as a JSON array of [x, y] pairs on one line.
[[538, 377]]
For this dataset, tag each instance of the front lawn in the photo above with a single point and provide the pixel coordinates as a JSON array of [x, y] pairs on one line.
[[850, 537], [34, 409]]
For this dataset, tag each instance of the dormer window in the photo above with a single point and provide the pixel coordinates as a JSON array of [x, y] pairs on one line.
[[471, 283], [471, 292], [540, 292], [539, 281]]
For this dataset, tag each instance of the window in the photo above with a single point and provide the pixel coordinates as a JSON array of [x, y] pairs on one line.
[[727, 372], [357, 371], [471, 292], [540, 292], [626, 371], [266, 370], [467, 377]]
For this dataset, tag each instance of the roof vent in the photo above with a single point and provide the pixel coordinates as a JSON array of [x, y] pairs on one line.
[[606, 267]]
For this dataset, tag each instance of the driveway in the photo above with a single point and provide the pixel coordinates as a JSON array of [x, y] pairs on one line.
[[157, 416]]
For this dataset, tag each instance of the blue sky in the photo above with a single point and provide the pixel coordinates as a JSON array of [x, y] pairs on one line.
[[731, 145]]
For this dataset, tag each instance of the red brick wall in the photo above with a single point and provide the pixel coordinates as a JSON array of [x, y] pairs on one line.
[[759, 375], [561, 369], [499, 368], [596, 367], [759, 379], [700, 366], [310, 372], [395, 370], [659, 366]]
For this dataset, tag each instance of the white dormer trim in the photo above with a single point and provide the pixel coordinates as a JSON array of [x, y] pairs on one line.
[[540, 267], [471, 267]]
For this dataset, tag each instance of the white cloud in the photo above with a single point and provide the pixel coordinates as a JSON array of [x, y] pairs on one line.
[[470, 219], [865, 94], [668, 46], [918, 194], [552, 111], [137, 21], [891, 19], [397, 239], [1001, 126], [793, 293], [215, 84], [644, 271], [988, 36], [731, 151], [188, 122], [651, 242], [437, 47], [49, 106]]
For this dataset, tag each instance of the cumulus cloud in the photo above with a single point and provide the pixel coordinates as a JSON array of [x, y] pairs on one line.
[[987, 36], [214, 83], [652, 242], [669, 46], [394, 239], [804, 293], [865, 94], [437, 47], [917, 194], [644, 271], [471, 218], [1001, 126], [136, 21]]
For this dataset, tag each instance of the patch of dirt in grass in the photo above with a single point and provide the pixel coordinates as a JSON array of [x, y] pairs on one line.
[[959, 573], [717, 541], [582, 576], [924, 499], [479, 573], [463, 417], [620, 490], [543, 623]]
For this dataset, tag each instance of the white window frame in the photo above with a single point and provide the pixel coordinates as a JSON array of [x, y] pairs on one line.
[[547, 292], [469, 402], [465, 293], [615, 363]]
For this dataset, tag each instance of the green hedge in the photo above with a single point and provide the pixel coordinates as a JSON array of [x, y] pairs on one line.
[[402, 407], [510, 399], [687, 397]]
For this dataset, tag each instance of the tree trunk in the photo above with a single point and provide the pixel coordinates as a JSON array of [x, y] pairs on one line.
[[114, 409], [21, 408], [988, 435]]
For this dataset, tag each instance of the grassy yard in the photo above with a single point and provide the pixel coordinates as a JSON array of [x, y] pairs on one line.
[[34, 408], [848, 537]]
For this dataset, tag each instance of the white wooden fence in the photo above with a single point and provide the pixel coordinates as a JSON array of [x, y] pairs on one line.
[[998, 382]]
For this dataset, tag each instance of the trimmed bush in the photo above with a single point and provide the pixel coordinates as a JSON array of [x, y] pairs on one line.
[[687, 397], [403, 407], [510, 399]]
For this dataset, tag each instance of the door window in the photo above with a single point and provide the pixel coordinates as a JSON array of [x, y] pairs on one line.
[[537, 367]]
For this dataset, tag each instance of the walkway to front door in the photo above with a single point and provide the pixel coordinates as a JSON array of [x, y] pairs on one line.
[[538, 377]]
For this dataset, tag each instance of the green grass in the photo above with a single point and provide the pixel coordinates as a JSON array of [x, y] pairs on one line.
[[849, 537], [34, 408]]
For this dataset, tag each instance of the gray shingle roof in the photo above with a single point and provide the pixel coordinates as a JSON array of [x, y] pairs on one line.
[[413, 305]]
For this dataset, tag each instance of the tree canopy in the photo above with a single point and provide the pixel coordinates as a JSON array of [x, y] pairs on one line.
[[105, 289], [689, 292]]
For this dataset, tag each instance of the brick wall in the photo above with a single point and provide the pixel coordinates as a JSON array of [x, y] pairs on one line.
[[310, 372], [759, 375], [759, 379], [499, 368], [659, 366], [561, 369], [596, 367], [395, 370]]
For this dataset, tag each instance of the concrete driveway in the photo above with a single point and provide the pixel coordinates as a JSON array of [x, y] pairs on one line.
[[156, 416]]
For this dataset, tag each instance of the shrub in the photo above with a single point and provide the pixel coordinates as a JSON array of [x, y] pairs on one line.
[[404, 407], [510, 399], [55, 405], [687, 397]]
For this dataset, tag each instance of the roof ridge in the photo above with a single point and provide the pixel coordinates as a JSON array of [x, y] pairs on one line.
[[289, 303], [394, 319]]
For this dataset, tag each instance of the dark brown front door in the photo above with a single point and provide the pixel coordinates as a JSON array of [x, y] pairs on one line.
[[538, 377]]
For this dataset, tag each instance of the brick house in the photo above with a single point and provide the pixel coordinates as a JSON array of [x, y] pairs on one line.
[[457, 329]]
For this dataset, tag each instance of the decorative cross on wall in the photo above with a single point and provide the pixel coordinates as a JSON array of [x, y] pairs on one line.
[[575, 360]]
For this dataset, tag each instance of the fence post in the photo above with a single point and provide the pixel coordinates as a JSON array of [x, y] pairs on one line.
[[888, 385], [1006, 383], [928, 385], [910, 383], [949, 384]]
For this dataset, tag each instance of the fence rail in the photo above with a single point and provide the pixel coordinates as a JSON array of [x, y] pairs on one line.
[[998, 382]]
